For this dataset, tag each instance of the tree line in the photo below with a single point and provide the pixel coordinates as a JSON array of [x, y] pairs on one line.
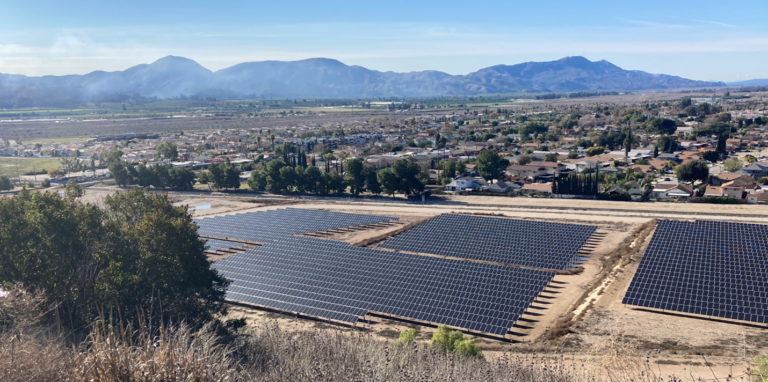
[[277, 176]]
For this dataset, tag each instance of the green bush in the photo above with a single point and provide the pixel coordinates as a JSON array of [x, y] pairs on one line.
[[452, 340], [760, 373], [467, 347], [407, 337]]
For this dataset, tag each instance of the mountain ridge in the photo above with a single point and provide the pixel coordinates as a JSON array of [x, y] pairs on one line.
[[172, 76]]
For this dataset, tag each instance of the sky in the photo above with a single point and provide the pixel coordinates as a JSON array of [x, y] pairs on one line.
[[702, 40]]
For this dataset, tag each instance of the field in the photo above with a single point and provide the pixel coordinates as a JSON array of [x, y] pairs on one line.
[[14, 166], [158, 117]]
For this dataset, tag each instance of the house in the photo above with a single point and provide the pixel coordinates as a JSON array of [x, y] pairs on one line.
[[661, 191], [756, 170], [714, 192], [465, 184], [550, 167], [680, 192], [536, 189], [501, 187], [725, 177], [526, 171], [668, 157], [757, 198], [644, 169], [733, 189]]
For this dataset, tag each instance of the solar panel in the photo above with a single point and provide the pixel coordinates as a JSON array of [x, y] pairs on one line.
[[508, 241], [345, 281], [214, 244], [337, 281], [708, 268]]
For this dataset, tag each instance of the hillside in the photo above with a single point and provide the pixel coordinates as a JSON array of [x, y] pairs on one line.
[[326, 78]]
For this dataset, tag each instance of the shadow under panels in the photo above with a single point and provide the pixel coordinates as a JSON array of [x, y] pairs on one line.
[[705, 269], [336, 281]]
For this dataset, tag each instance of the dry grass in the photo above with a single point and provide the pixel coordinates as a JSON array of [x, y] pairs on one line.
[[268, 353]]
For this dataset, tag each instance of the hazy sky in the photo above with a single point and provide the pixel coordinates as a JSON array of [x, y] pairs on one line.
[[703, 40]]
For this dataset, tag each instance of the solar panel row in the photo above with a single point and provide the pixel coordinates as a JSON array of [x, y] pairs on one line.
[[335, 280], [507, 241], [214, 244], [275, 224], [708, 268]]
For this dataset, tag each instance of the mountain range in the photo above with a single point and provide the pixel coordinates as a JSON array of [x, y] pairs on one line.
[[755, 82], [173, 76]]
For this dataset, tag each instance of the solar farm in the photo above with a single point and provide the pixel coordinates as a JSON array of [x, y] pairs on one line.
[[705, 268], [410, 277]]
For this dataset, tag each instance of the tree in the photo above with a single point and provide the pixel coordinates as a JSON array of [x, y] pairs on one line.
[[224, 175], [112, 156], [289, 177], [721, 143], [666, 144], [711, 156], [72, 163], [257, 181], [461, 168], [45, 183], [355, 175], [74, 190], [595, 150], [5, 183], [272, 175], [136, 254], [692, 171], [168, 150], [389, 182], [661, 126], [119, 173], [372, 181], [55, 173], [573, 154], [733, 165], [750, 158], [334, 182], [550, 157], [203, 177], [491, 165], [313, 179], [523, 160]]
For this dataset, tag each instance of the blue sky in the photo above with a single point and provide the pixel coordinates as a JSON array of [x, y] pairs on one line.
[[704, 40]]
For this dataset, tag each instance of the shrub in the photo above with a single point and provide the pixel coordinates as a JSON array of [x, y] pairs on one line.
[[760, 373], [467, 347], [45, 183], [452, 340], [407, 337]]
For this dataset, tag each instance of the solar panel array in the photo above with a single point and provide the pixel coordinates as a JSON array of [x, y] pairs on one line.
[[274, 225], [507, 241], [337, 281], [341, 282], [709, 268]]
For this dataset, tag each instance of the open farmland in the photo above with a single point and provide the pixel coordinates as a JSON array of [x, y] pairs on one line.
[[11, 166]]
